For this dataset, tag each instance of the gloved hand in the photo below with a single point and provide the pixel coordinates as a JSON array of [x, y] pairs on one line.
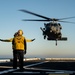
[[1, 40], [33, 39], [24, 51]]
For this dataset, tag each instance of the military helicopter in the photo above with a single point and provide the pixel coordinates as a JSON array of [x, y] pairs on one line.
[[52, 30]]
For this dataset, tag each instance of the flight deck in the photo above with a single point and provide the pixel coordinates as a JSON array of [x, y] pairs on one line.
[[39, 67]]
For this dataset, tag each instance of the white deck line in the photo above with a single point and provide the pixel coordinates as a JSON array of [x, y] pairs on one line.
[[43, 73], [55, 71], [36, 64], [27, 72], [7, 71]]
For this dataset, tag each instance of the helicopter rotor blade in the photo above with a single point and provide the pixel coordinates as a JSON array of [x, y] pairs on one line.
[[66, 18], [33, 20], [47, 19], [26, 11], [67, 22]]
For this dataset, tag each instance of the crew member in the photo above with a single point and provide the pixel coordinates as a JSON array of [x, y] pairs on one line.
[[19, 44], [18, 53]]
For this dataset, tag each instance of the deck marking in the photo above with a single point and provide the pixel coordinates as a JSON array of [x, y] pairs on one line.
[[36, 64], [11, 70], [41, 73], [31, 65], [7, 71], [48, 69], [52, 71], [27, 72]]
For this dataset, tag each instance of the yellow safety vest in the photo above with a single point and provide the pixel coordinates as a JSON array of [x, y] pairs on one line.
[[19, 43]]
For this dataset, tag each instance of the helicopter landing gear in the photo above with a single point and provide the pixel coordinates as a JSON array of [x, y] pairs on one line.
[[44, 33], [56, 42], [44, 36]]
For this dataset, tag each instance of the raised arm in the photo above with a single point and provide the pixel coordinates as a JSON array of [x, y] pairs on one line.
[[6, 40], [27, 40]]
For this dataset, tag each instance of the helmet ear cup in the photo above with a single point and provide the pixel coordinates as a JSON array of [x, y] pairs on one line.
[[22, 32], [16, 34]]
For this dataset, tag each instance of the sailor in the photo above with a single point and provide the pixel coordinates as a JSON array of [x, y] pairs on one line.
[[19, 48]]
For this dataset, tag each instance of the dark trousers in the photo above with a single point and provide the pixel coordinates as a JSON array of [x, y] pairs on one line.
[[18, 55]]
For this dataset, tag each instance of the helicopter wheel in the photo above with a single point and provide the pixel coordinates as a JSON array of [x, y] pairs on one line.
[[56, 42], [60, 36], [44, 36]]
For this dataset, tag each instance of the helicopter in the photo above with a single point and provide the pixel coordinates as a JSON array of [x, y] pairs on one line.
[[51, 30]]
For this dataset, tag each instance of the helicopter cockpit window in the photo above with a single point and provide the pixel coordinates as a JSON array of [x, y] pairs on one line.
[[56, 28], [47, 26]]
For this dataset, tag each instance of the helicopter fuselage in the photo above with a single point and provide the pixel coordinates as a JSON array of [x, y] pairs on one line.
[[52, 31]]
